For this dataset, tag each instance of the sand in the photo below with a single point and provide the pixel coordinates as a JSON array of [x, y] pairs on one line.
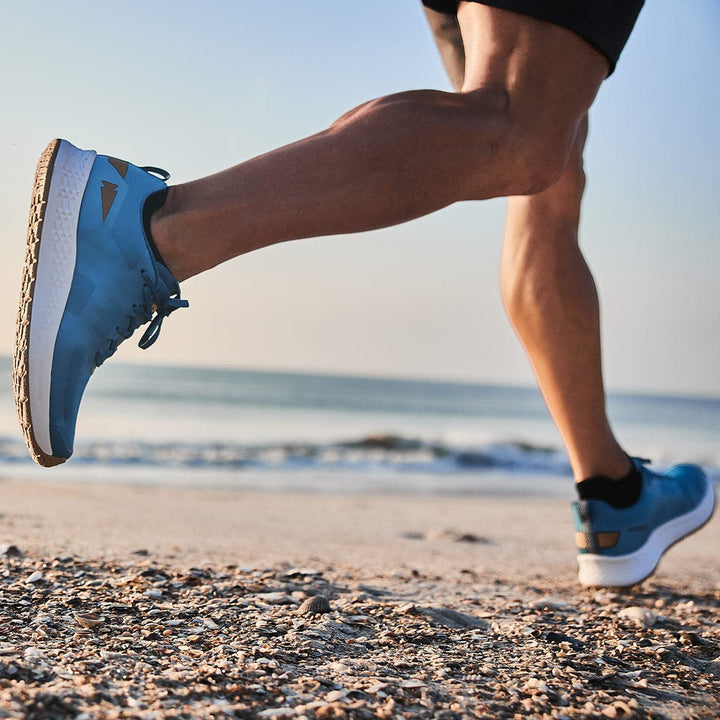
[[447, 607]]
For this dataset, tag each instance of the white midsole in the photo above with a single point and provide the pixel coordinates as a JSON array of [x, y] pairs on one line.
[[599, 570], [55, 269]]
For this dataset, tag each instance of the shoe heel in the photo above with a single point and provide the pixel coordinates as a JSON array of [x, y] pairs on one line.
[[626, 570]]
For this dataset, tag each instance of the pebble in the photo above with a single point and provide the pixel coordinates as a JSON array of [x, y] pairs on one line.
[[276, 713], [448, 617], [276, 598], [619, 711], [451, 535], [549, 603], [335, 695], [639, 615], [11, 551], [35, 577]]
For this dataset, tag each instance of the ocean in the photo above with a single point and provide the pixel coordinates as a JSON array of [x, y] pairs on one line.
[[323, 433]]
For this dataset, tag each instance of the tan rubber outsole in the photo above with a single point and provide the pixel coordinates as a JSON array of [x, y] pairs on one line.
[[21, 358]]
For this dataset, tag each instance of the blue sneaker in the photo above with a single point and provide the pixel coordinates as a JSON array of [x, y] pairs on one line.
[[90, 280], [622, 547]]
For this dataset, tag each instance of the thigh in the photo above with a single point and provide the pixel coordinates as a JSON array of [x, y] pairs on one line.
[[446, 31], [605, 24], [549, 74]]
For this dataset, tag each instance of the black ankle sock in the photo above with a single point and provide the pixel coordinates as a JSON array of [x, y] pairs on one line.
[[153, 203], [620, 493]]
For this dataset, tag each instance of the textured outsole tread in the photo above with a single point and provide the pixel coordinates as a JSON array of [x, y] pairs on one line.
[[20, 373]]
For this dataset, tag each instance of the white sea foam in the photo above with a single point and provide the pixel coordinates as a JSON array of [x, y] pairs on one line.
[[236, 426]]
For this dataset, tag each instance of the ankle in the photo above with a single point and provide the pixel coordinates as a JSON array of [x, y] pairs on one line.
[[161, 230], [620, 492], [613, 465]]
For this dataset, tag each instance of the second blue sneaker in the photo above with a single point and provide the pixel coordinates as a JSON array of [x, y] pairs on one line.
[[621, 547], [90, 280]]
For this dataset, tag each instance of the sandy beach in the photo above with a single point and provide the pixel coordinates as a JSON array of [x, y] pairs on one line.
[[142, 602]]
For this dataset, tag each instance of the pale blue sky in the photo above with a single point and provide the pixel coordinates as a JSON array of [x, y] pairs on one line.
[[195, 87]]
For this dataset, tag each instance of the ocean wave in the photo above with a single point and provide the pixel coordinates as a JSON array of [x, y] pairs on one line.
[[366, 454], [381, 452]]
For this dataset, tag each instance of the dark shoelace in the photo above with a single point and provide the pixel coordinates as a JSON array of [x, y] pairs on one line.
[[153, 308]]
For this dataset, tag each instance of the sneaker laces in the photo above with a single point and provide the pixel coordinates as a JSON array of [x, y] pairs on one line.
[[155, 307]]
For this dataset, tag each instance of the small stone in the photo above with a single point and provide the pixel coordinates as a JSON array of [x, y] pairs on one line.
[[451, 535], [335, 695], [549, 603], [408, 607], [37, 576], [411, 684], [412, 535], [316, 605], [11, 551], [535, 684], [557, 637], [639, 615], [275, 598], [452, 618], [604, 597], [618, 711], [376, 688]]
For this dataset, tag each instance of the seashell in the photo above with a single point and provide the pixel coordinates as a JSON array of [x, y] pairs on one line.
[[316, 605], [37, 576], [299, 571], [88, 619]]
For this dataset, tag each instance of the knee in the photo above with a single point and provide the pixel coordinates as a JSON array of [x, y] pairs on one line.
[[529, 154], [538, 157]]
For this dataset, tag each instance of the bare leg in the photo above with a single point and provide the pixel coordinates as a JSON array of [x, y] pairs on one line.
[[551, 299], [528, 84], [446, 31]]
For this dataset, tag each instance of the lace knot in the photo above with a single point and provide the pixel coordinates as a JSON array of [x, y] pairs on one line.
[[162, 310]]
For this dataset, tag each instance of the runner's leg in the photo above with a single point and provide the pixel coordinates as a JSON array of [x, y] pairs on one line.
[[528, 84], [551, 299], [543, 274]]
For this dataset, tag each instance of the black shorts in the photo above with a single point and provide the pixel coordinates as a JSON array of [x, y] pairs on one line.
[[606, 24]]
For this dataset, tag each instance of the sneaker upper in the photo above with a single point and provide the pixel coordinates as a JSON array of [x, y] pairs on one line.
[[603, 529], [117, 286]]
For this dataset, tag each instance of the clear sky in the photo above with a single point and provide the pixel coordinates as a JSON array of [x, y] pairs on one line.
[[195, 87]]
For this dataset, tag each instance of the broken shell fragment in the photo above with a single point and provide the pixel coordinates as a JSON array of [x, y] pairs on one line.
[[88, 619]]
